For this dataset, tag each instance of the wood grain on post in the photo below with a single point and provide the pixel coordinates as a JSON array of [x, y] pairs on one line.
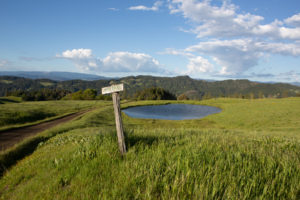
[[119, 124]]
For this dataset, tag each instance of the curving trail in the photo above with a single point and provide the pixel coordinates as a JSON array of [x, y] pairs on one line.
[[11, 137]]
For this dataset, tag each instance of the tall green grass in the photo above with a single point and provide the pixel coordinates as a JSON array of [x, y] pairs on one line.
[[211, 158]]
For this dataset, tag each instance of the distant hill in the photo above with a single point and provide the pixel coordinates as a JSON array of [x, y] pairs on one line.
[[296, 83], [193, 89], [57, 76]]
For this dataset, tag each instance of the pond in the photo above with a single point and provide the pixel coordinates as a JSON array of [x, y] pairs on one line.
[[171, 111]]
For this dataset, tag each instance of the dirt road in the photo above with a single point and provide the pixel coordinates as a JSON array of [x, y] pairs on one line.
[[11, 137]]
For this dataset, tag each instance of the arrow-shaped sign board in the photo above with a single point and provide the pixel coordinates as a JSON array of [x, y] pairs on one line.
[[113, 88]]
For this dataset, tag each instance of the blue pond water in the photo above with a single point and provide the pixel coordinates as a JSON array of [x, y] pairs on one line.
[[171, 111]]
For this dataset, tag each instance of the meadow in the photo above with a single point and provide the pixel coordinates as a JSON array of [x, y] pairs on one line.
[[251, 150], [14, 113]]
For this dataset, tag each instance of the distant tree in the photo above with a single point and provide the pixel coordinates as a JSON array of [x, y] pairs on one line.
[[182, 97], [251, 96], [261, 95], [104, 97], [285, 94], [77, 95], [154, 94], [207, 95], [89, 94]]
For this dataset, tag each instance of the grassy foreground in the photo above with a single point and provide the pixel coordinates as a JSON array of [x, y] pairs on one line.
[[251, 150]]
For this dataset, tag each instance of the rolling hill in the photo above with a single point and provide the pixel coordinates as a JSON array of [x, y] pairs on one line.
[[57, 76], [194, 89]]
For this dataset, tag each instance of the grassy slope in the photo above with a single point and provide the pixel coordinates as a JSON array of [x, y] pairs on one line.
[[250, 150], [13, 115], [11, 99]]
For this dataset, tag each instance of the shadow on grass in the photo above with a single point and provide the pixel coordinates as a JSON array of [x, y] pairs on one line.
[[12, 157], [4, 100], [132, 140]]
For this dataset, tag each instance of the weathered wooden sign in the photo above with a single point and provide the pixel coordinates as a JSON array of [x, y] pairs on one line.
[[115, 89]]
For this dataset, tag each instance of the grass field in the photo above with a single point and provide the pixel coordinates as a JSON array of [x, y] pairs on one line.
[[251, 150], [16, 114], [11, 99]]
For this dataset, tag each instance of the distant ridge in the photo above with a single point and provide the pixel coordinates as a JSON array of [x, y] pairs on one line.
[[295, 83], [56, 76], [193, 89]]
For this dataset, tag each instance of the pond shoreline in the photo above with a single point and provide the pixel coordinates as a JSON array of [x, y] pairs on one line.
[[171, 111]]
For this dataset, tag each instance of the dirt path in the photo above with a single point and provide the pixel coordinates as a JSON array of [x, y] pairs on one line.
[[11, 137]]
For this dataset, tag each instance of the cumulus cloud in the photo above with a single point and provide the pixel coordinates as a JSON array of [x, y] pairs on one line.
[[225, 21], [76, 54], [237, 56], [234, 41], [155, 7], [199, 65], [294, 20], [234, 56], [114, 62], [196, 64]]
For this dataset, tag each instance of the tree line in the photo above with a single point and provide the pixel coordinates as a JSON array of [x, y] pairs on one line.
[[191, 88], [39, 95], [152, 93], [58, 94]]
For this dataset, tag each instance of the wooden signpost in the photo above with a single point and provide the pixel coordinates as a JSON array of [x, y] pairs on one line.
[[115, 89]]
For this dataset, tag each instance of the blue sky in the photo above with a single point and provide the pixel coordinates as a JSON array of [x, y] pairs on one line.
[[207, 39]]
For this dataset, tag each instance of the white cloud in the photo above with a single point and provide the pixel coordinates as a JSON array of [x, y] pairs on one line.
[[235, 41], [289, 49], [199, 65], [155, 7], [202, 11], [131, 62], [5, 64], [225, 21], [76, 54], [289, 76], [113, 9], [293, 20], [237, 56], [170, 51], [114, 62], [234, 56]]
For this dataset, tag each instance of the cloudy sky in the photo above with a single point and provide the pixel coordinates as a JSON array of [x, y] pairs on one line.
[[207, 39]]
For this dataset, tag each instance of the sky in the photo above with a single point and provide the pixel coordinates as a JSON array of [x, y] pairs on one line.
[[257, 40]]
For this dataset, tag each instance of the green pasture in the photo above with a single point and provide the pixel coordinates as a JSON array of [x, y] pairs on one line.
[[17, 114], [11, 99], [251, 150]]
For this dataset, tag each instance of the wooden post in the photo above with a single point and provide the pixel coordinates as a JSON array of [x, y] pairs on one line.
[[119, 124], [115, 89]]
